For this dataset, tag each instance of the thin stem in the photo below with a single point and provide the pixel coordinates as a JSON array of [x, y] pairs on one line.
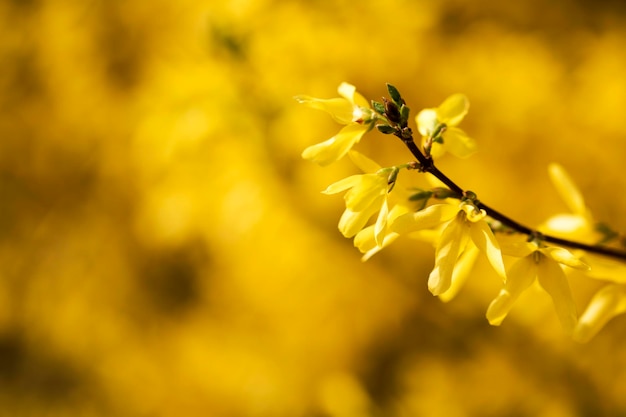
[[428, 165]]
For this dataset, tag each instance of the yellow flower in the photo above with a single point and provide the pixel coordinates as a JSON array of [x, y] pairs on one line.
[[606, 304], [467, 227], [401, 220], [463, 228], [461, 273], [544, 264], [367, 194], [578, 224], [368, 242], [451, 112], [352, 110]]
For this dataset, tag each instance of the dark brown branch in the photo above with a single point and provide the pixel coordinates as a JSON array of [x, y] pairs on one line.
[[427, 165]]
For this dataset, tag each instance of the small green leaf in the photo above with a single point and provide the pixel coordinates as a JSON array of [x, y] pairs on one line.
[[395, 94], [378, 107], [386, 129]]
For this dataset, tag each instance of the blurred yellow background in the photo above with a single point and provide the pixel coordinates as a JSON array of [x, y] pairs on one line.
[[166, 252]]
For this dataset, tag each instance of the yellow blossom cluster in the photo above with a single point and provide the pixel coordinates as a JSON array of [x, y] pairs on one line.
[[463, 227]]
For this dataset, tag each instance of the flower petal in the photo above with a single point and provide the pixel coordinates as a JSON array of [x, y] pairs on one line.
[[349, 91], [453, 109], [351, 222], [458, 143], [569, 224], [363, 162], [553, 280], [520, 276], [565, 257], [370, 189], [605, 304], [606, 269], [451, 242], [483, 238], [336, 147], [517, 249], [462, 270], [429, 217], [339, 109], [365, 242], [426, 121], [380, 227], [568, 191], [343, 184]]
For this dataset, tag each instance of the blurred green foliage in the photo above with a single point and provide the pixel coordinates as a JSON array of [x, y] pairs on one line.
[[165, 252]]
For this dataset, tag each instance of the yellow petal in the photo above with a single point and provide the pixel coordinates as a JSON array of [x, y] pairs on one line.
[[606, 269], [379, 233], [349, 91], [370, 190], [426, 235], [426, 121], [518, 249], [380, 227], [424, 219], [339, 109], [483, 238], [520, 276], [389, 238], [365, 242], [451, 243], [553, 280], [458, 143], [569, 224], [351, 222], [363, 162], [565, 257], [336, 147], [343, 184], [436, 182], [567, 189], [605, 304], [453, 109], [462, 270]]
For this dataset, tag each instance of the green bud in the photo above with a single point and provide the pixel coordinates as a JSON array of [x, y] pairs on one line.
[[391, 111], [393, 175], [470, 196], [421, 195], [439, 129], [386, 129], [441, 193], [404, 115]]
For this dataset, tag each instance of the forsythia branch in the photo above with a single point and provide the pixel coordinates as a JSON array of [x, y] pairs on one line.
[[467, 228]]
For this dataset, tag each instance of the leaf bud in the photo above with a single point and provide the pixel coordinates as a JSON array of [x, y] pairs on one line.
[[392, 111], [386, 129]]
